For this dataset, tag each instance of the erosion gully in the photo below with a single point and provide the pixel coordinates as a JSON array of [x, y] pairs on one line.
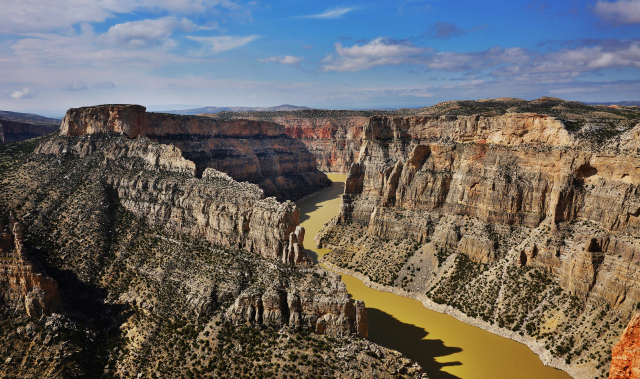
[[445, 347]]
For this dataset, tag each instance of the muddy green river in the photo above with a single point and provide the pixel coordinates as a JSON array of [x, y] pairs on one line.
[[445, 347]]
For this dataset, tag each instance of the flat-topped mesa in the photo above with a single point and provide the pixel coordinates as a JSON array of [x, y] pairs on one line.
[[255, 151], [154, 182], [507, 129]]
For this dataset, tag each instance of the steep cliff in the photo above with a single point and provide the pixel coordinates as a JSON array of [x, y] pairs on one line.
[[625, 356], [12, 131], [516, 219], [257, 152], [333, 137]]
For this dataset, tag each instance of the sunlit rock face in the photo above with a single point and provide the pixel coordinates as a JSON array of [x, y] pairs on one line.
[[253, 151]]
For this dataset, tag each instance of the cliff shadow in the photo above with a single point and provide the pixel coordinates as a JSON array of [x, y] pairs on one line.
[[388, 331], [312, 204]]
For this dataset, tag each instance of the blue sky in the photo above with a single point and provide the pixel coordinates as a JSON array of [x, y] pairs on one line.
[[347, 54]]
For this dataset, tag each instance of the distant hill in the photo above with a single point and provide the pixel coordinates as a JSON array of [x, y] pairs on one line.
[[28, 118], [620, 103], [278, 108]]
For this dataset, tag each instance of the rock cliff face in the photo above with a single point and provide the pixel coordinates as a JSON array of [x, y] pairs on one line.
[[12, 131], [625, 356], [24, 285], [333, 137], [215, 207], [257, 152], [500, 216], [326, 310]]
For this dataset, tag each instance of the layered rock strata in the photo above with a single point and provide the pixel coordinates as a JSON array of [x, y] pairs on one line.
[[326, 310], [625, 355], [478, 210], [333, 137], [24, 285], [215, 207], [256, 152]]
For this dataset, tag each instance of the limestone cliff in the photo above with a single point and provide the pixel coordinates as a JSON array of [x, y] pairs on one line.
[[333, 137], [257, 152], [215, 207], [12, 131], [326, 310], [625, 356], [517, 219]]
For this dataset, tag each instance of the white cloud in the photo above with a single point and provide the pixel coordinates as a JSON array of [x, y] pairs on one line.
[[453, 61], [329, 13], [378, 52], [619, 12], [224, 43], [26, 16], [287, 59], [24, 94], [145, 33]]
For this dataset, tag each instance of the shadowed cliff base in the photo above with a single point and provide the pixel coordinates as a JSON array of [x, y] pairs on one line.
[[410, 339]]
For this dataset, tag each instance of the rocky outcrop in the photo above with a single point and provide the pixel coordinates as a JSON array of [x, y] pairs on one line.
[[322, 310], [254, 151], [215, 207], [24, 285], [625, 356]]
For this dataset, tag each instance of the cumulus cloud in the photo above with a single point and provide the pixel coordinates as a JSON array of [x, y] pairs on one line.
[[619, 12], [330, 13], [378, 52], [287, 59], [224, 43], [145, 33], [24, 16], [24, 94]]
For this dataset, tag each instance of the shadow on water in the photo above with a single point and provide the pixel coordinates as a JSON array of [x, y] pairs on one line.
[[409, 339], [312, 204]]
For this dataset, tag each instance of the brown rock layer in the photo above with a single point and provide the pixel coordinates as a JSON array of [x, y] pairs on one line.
[[257, 152], [625, 356]]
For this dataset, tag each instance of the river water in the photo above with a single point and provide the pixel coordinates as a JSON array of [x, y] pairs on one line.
[[445, 347]]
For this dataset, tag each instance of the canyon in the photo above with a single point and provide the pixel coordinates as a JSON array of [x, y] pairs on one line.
[[16, 127], [520, 217], [131, 259]]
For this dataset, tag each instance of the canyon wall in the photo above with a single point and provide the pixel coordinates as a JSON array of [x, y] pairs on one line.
[[254, 151], [334, 137], [12, 131], [215, 207], [478, 210]]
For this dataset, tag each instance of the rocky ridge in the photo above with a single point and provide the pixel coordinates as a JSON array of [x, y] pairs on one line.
[[256, 152], [516, 219]]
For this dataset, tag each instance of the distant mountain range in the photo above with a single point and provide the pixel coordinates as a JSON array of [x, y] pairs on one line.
[[620, 103], [194, 111], [28, 118]]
